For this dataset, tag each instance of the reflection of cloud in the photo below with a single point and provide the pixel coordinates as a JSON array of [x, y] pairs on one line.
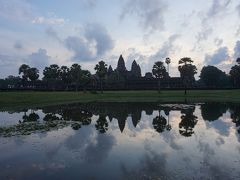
[[151, 166], [221, 127], [80, 139], [96, 152], [93, 147], [219, 141], [170, 138]]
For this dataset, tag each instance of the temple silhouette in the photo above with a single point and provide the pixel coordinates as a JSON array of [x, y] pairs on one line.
[[121, 78]]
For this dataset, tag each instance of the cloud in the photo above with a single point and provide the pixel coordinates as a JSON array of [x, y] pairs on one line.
[[237, 50], [16, 10], [204, 33], [238, 9], [218, 41], [18, 45], [9, 64], [51, 20], [39, 59], [52, 33], [80, 47], [146, 61], [95, 43], [149, 13], [219, 56], [166, 49], [90, 3], [217, 9]]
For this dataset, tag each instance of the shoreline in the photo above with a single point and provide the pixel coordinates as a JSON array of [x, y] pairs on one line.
[[32, 99]]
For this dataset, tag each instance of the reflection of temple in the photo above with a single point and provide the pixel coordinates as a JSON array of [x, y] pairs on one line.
[[80, 115]]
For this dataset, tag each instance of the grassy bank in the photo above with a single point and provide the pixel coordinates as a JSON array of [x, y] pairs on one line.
[[37, 99]]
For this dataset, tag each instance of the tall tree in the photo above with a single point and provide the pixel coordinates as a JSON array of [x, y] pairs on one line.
[[64, 76], [211, 76], [23, 69], [75, 74], [159, 71], [85, 78], [101, 71], [187, 71], [33, 75], [235, 74], [51, 75]]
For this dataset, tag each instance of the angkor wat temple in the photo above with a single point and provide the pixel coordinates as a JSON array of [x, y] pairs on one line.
[[121, 78]]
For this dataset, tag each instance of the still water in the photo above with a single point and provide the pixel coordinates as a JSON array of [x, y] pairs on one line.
[[121, 141]]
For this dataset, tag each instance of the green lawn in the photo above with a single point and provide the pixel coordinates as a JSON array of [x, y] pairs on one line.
[[37, 99]]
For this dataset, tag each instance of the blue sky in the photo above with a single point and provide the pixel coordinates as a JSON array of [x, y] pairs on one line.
[[64, 32]]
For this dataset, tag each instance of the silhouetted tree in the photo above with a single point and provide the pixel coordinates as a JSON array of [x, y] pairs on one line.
[[235, 73], [24, 70], [33, 75], [75, 75], [51, 75], [213, 77], [159, 71], [65, 76], [187, 71], [101, 71], [12, 82]]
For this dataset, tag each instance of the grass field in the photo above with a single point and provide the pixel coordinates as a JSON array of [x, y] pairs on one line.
[[38, 99]]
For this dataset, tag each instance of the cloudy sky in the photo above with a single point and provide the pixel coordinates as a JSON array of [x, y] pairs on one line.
[[63, 32]]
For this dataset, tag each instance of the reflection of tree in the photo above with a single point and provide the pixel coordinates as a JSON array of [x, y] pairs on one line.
[[159, 123], [102, 124], [51, 117], [32, 117], [235, 115], [212, 111], [188, 122]]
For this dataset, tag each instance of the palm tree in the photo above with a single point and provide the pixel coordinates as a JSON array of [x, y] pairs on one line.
[[23, 69], [235, 73], [33, 75], [101, 71], [168, 61], [75, 74], [187, 71], [159, 71]]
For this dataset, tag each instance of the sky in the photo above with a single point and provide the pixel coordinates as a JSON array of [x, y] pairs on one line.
[[63, 32]]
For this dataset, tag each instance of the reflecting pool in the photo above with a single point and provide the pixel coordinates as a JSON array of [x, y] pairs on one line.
[[121, 141]]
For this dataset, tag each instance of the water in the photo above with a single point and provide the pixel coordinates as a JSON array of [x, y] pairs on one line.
[[121, 141]]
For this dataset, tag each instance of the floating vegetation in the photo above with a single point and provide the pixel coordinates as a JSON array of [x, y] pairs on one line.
[[28, 128]]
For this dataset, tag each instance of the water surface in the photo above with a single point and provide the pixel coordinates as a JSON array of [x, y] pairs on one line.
[[121, 141]]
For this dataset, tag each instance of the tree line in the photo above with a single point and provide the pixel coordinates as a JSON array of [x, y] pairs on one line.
[[75, 78]]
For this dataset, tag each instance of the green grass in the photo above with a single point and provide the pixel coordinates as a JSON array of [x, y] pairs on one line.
[[37, 99]]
